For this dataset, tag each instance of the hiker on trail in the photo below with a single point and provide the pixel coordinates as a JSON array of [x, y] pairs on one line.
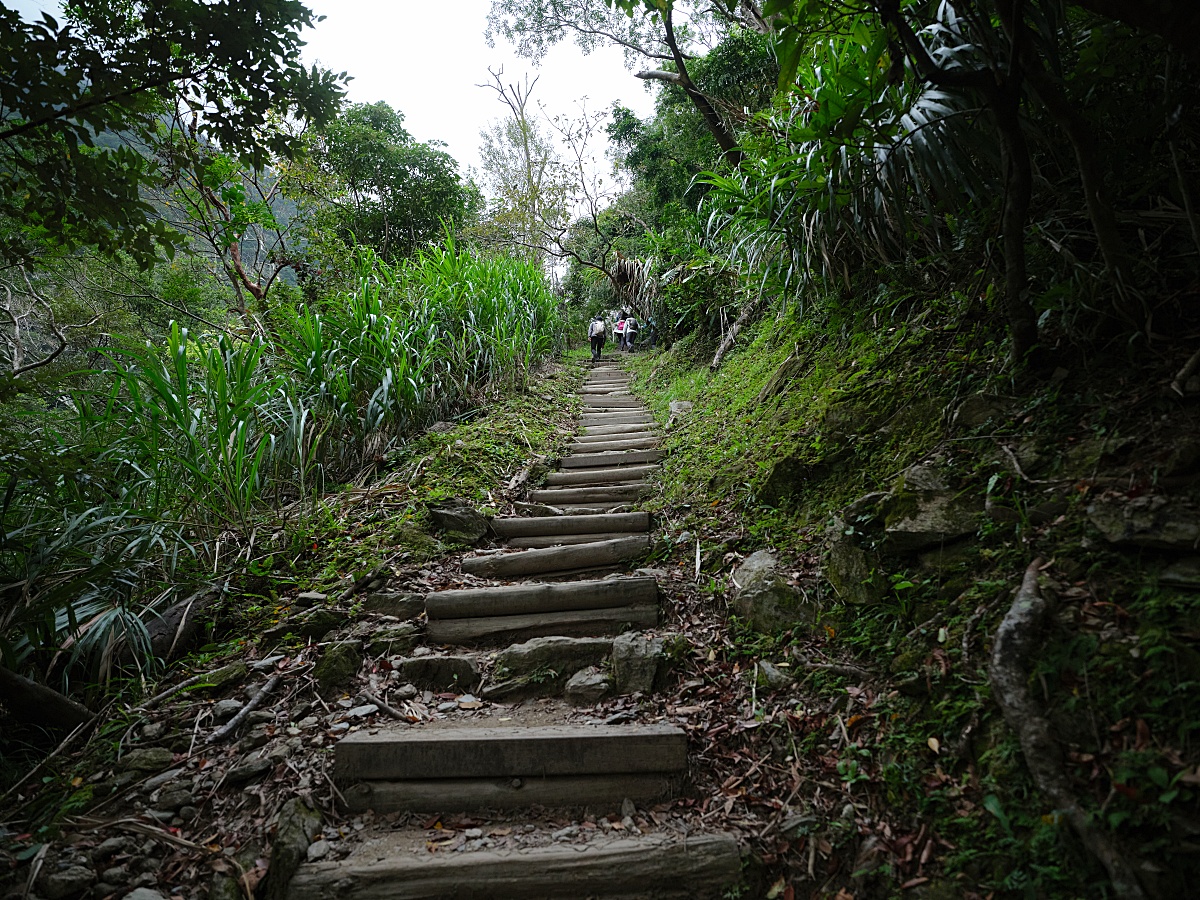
[[597, 334], [631, 332], [619, 330]]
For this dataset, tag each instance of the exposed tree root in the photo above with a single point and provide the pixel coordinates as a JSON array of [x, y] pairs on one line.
[[1016, 638]]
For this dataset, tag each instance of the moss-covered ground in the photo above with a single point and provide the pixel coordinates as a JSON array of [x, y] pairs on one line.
[[904, 773]]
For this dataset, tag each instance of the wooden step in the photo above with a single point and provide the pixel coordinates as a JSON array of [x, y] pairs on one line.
[[563, 540], [620, 419], [408, 753], [698, 866], [520, 599], [603, 430], [618, 458], [610, 401], [512, 526], [571, 623], [601, 476], [616, 436], [604, 493], [458, 795], [636, 443], [556, 559]]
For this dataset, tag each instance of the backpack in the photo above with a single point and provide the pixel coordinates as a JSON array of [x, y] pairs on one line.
[[596, 329], [619, 328]]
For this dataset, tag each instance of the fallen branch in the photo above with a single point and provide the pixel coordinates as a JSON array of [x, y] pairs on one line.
[[172, 691], [384, 708], [731, 335], [1179, 383], [227, 730], [1016, 639]]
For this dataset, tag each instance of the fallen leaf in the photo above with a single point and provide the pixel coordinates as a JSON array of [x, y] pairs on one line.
[[934, 744]]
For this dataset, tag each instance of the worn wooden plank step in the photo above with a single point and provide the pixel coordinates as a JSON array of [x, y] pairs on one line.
[[604, 493], [699, 867], [636, 428], [513, 526], [572, 623], [613, 417], [554, 559], [451, 795], [601, 476], [610, 401], [406, 753], [520, 599], [636, 419], [632, 443], [562, 540], [618, 458]]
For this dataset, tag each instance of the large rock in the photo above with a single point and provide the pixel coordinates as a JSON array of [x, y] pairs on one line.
[[460, 523], [438, 673], [542, 666], [312, 624], [147, 759], [1153, 521], [919, 520], [299, 823], [638, 663], [338, 664], [792, 474], [395, 640], [851, 570], [387, 603], [764, 598], [587, 687], [68, 882], [979, 409]]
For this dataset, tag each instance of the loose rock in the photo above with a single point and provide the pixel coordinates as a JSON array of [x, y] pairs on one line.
[[146, 759], [298, 823], [587, 686], [764, 598], [338, 665], [638, 662]]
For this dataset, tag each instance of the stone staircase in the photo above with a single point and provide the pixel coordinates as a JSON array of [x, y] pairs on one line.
[[582, 598]]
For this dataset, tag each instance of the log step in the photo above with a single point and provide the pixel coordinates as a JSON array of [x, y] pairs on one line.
[[640, 443], [611, 493], [407, 753], [526, 527], [449, 795], [602, 430], [610, 401], [601, 476], [618, 458], [572, 623], [620, 419], [562, 540], [556, 559], [519, 599], [699, 867]]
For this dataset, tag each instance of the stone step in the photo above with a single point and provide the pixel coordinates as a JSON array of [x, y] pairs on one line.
[[571, 623], [513, 526], [631, 443], [617, 458], [601, 476], [557, 559], [699, 867], [562, 540], [520, 599], [408, 753], [610, 493]]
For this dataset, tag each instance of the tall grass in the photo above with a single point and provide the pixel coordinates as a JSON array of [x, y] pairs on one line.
[[187, 447]]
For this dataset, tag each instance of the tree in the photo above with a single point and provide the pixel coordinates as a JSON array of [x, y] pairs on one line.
[[392, 192], [83, 101], [658, 37]]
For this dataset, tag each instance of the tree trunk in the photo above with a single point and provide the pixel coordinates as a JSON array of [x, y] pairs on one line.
[[1018, 188], [39, 705]]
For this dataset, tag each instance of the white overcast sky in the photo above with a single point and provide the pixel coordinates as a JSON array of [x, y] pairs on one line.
[[425, 59]]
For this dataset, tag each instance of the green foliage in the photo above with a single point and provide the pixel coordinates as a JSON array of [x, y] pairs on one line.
[[82, 98], [178, 449], [397, 195]]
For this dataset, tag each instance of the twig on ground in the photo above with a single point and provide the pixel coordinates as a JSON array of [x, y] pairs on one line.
[[383, 707], [227, 730]]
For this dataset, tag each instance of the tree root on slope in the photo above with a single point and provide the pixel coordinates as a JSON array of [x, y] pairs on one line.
[[1016, 638]]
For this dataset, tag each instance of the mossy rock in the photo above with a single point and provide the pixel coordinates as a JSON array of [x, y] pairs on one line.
[[920, 520], [420, 546], [396, 640], [852, 571], [339, 663], [223, 679]]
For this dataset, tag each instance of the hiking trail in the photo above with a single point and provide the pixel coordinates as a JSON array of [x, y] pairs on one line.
[[504, 784]]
